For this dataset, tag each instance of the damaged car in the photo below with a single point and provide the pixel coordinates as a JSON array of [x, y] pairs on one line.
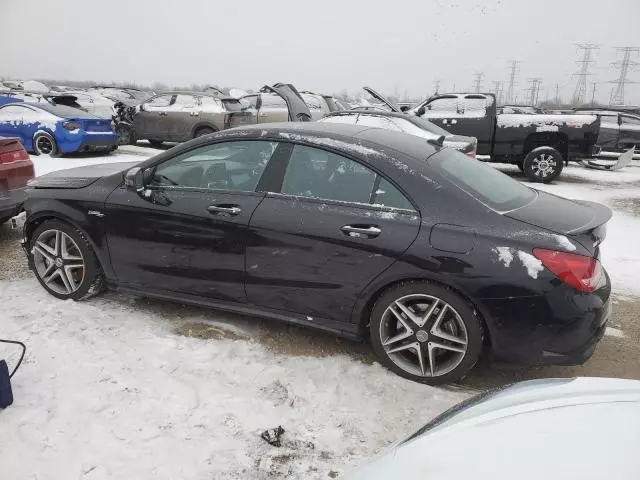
[[394, 119], [619, 133], [179, 116]]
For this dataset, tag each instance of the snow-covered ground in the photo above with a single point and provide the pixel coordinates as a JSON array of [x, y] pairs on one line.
[[109, 390]]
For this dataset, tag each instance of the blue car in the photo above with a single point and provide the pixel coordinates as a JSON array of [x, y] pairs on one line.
[[46, 129]]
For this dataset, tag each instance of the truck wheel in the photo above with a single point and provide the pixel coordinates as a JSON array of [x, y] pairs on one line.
[[543, 164]]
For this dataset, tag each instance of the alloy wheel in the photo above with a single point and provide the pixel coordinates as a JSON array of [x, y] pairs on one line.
[[44, 145], [543, 165], [58, 261], [423, 335]]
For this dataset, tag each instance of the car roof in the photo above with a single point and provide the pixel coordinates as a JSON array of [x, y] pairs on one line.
[[377, 138], [62, 111]]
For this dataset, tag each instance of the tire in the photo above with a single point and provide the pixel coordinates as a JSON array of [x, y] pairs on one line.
[[45, 144], [543, 164], [203, 131], [76, 274], [126, 135], [459, 322], [156, 143]]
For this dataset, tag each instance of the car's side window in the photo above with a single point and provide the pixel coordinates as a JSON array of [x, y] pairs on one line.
[[184, 102], [161, 101], [630, 121], [317, 173], [232, 166], [389, 196]]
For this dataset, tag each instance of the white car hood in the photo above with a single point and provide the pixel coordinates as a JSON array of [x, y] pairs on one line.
[[584, 428]]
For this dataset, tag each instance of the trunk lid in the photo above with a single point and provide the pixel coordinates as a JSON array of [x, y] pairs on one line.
[[16, 168], [96, 125], [581, 220], [383, 99]]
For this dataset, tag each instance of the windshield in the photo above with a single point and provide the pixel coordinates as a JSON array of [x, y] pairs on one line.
[[483, 182]]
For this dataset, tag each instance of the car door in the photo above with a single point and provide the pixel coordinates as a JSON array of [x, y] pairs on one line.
[[272, 109], [630, 132], [464, 114], [332, 228], [609, 133], [186, 231], [11, 118], [151, 121], [182, 116]]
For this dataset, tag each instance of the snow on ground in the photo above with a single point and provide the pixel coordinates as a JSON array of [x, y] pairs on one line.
[[109, 390]]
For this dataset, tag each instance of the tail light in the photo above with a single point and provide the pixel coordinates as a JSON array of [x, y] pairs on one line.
[[579, 271], [471, 154], [14, 156], [71, 125]]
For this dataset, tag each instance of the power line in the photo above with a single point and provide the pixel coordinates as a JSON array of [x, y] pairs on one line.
[[512, 80], [581, 86], [477, 82], [617, 94]]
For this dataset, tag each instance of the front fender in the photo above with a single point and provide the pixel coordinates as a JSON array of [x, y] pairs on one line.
[[91, 228]]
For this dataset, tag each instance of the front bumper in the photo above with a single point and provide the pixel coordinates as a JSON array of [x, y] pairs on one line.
[[11, 202], [561, 327]]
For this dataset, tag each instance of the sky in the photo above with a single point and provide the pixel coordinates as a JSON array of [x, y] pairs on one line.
[[399, 46]]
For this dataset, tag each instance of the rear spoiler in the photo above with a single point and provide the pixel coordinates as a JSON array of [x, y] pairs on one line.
[[436, 142]]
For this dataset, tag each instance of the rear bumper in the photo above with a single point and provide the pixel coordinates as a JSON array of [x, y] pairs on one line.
[[88, 141], [11, 202], [561, 327]]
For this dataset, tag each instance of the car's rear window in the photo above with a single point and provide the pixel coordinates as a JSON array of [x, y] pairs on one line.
[[490, 186]]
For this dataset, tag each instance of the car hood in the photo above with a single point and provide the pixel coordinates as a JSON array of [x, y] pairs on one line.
[[578, 426], [79, 177]]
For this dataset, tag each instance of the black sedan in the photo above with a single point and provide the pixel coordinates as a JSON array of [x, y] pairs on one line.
[[358, 231]]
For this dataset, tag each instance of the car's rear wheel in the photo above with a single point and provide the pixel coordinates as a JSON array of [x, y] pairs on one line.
[[45, 144], [64, 262], [426, 333], [203, 131], [543, 164]]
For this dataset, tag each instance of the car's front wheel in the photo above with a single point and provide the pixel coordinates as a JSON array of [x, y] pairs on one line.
[[45, 144], [426, 333], [543, 164], [64, 262]]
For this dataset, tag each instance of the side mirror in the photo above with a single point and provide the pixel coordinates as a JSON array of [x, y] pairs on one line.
[[133, 179], [420, 111], [258, 102]]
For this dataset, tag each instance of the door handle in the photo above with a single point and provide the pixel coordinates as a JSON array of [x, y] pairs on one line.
[[361, 231], [453, 121], [228, 209], [445, 121]]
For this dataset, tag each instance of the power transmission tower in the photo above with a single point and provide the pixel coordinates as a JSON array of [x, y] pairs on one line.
[[512, 80], [557, 94], [497, 90], [581, 86], [534, 90], [617, 95], [594, 86], [436, 87], [477, 83]]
